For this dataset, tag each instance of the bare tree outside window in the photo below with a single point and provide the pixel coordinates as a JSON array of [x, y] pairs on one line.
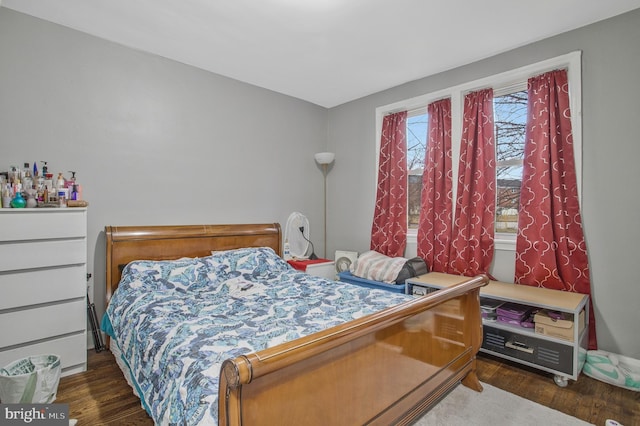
[[416, 148], [510, 118]]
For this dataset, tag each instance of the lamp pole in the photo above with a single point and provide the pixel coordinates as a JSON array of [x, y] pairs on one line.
[[324, 159], [324, 173]]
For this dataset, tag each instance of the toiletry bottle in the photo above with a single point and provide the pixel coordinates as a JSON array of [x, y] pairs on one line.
[[26, 171], [60, 181], [14, 174], [6, 196], [62, 199], [72, 185], [18, 202], [32, 195], [287, 250], [27, 181], [17, 186], [40, 183]]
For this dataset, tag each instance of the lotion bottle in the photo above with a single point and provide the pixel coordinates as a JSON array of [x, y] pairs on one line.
[[74, 187], [287, 250], [6, 197], [60, 181]]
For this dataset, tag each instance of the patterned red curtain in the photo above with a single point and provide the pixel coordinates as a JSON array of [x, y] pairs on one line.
[[472, 240], [551, 251], [389, 230], [434, 227]]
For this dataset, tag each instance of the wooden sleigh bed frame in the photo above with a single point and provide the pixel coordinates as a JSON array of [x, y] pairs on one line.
[[385, 368]]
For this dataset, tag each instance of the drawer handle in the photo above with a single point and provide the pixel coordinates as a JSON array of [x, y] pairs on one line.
[[519, 347]]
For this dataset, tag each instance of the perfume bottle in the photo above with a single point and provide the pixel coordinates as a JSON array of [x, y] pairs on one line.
[[18, 201], [32, 200]]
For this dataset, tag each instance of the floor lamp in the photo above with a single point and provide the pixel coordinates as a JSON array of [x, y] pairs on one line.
[[324, 159]]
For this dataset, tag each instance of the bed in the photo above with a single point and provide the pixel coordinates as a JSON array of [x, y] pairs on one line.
[[392, 358]]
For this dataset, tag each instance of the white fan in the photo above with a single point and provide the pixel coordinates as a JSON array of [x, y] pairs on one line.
[[344, 260], [296, 234]]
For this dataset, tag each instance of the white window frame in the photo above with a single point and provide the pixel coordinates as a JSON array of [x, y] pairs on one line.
[[571, 61]]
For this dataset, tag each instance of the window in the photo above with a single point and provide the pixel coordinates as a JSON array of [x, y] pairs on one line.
[[510, 105], [416, 148], [510, 116], [510, 119]]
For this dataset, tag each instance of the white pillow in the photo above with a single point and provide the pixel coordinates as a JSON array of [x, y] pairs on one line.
[[375, 266]]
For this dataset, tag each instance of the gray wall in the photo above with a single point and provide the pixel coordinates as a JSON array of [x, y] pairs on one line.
[[611, 110], [153, 141]]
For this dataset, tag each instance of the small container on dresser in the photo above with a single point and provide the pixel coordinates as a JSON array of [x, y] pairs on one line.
[[43, 269]]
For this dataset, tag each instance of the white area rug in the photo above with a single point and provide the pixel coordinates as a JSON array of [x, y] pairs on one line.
[[493, 407]]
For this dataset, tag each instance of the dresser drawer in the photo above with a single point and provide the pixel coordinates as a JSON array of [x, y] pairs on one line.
[[27, 325], [71, 350], [31, 287], [42, 224], [42, 254]]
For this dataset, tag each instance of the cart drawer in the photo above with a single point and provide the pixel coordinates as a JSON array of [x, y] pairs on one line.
[[527, 347]]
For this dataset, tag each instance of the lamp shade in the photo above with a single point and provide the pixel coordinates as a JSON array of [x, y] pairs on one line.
[[325, 157]]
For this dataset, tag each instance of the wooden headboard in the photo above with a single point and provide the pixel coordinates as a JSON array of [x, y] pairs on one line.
[[128, 243]]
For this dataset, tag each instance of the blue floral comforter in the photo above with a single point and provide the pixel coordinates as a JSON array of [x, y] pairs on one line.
[[177, 321]]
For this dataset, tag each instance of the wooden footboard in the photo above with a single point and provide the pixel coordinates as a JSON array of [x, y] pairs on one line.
[[385, 368]]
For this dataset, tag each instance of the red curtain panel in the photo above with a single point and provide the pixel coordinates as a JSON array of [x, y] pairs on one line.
[[472, 240], [389, 229], [550, 247], [434, 227]]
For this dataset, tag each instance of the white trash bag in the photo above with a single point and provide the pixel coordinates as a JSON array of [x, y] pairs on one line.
[[32, 380]]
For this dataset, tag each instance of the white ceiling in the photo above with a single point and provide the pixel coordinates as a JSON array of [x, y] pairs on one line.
[[323, 51]]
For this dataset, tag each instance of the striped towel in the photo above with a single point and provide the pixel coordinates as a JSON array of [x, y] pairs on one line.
[[375, 266]]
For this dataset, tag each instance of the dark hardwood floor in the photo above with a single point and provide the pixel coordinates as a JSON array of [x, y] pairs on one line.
[[101, 396], [588, 399]]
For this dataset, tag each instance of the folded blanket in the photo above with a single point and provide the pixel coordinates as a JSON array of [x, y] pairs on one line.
[[613, 368], [375, 266]]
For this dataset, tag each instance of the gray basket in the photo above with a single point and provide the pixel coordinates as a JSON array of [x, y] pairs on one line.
[[32, 380]]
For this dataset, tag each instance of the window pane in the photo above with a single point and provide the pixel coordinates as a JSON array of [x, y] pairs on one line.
[[416, 146], [510, 115]]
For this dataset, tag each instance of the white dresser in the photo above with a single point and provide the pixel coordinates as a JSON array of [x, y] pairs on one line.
[[43, 285]]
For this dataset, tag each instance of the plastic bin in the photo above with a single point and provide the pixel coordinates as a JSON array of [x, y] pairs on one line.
[[32, 380]]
